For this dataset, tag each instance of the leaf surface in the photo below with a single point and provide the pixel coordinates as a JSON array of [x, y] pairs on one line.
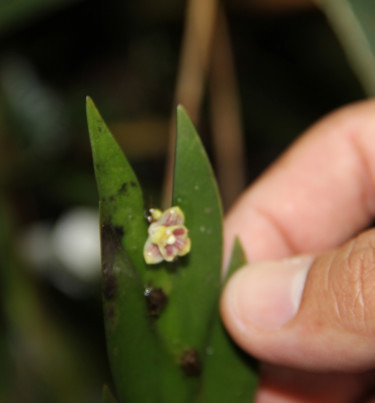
[[229, 374], [164, 355], [196, 285], [138, 358]]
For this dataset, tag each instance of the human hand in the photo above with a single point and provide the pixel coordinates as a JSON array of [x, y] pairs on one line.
[[305, 306]]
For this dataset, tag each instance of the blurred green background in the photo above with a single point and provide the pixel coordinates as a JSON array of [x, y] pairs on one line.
[[266, 71]]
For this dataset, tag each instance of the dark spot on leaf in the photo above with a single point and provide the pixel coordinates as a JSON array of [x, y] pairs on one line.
[[108, 235], [190, 362], [110, 315], [156, 301], [110, 312], [111, 198], [133, 184], [123, 188], [99, 126], [109, 286], [110, 243], [119, 230], [97, 166]]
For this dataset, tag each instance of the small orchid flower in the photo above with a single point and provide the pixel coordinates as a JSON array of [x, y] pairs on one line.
[[167, 236]]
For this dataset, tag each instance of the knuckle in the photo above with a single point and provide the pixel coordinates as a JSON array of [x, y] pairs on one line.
[[353, 284]]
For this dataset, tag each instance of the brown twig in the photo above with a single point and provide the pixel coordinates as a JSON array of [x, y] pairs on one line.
[[226, 118], [206, 50], [192, 72]]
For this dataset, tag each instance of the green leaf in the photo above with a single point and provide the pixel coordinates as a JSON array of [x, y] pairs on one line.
[[196, 285], [131, 342], [160, 353], [229, 374], [119, 190], [237, 259], [354, 23], [138, 358]]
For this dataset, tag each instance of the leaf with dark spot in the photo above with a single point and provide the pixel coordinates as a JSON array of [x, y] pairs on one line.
[[191, 363], [196, 286], [156, 301], [124, 209], [138, 356], [109, 288], [148, 335], [123, 188], [119, 230]]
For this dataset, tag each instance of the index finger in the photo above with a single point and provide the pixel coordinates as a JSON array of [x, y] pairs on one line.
[[316, 196]]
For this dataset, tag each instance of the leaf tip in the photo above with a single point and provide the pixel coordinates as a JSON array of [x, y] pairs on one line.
[[89, 101], [181, 112], [237, 258], [89, 106], [180, 108], [93, 115]]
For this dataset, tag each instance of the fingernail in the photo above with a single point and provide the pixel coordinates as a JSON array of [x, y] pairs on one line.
[[267, 295]]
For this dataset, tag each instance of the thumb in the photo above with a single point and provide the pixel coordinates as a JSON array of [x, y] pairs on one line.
[[310, 313]]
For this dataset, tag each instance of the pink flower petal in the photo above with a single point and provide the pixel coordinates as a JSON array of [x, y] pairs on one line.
[[182, 245], [152, 253], [170, 252], [172, 216]]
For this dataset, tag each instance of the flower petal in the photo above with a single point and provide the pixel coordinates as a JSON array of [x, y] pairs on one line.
[[183, 245], [172, 216], [151, 253], [180, 247], [169, 253], [157, 233]]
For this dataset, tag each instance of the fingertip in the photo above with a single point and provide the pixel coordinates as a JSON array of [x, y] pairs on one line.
[[262, 297]]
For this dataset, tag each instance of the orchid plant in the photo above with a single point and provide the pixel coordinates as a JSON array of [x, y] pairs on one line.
[[161, 279]]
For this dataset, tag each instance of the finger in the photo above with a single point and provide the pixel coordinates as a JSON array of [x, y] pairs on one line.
[[290, 386], [317, 195], [314, 314]]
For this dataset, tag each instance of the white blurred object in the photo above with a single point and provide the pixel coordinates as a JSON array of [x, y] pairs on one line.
[[68, 253], [75, 242]]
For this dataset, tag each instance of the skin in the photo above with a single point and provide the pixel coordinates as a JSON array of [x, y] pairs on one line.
[[317, 200]]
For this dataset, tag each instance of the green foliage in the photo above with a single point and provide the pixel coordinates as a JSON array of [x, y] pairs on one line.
[[196, 279], [164, 335], [137, 355], [221, 353]]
